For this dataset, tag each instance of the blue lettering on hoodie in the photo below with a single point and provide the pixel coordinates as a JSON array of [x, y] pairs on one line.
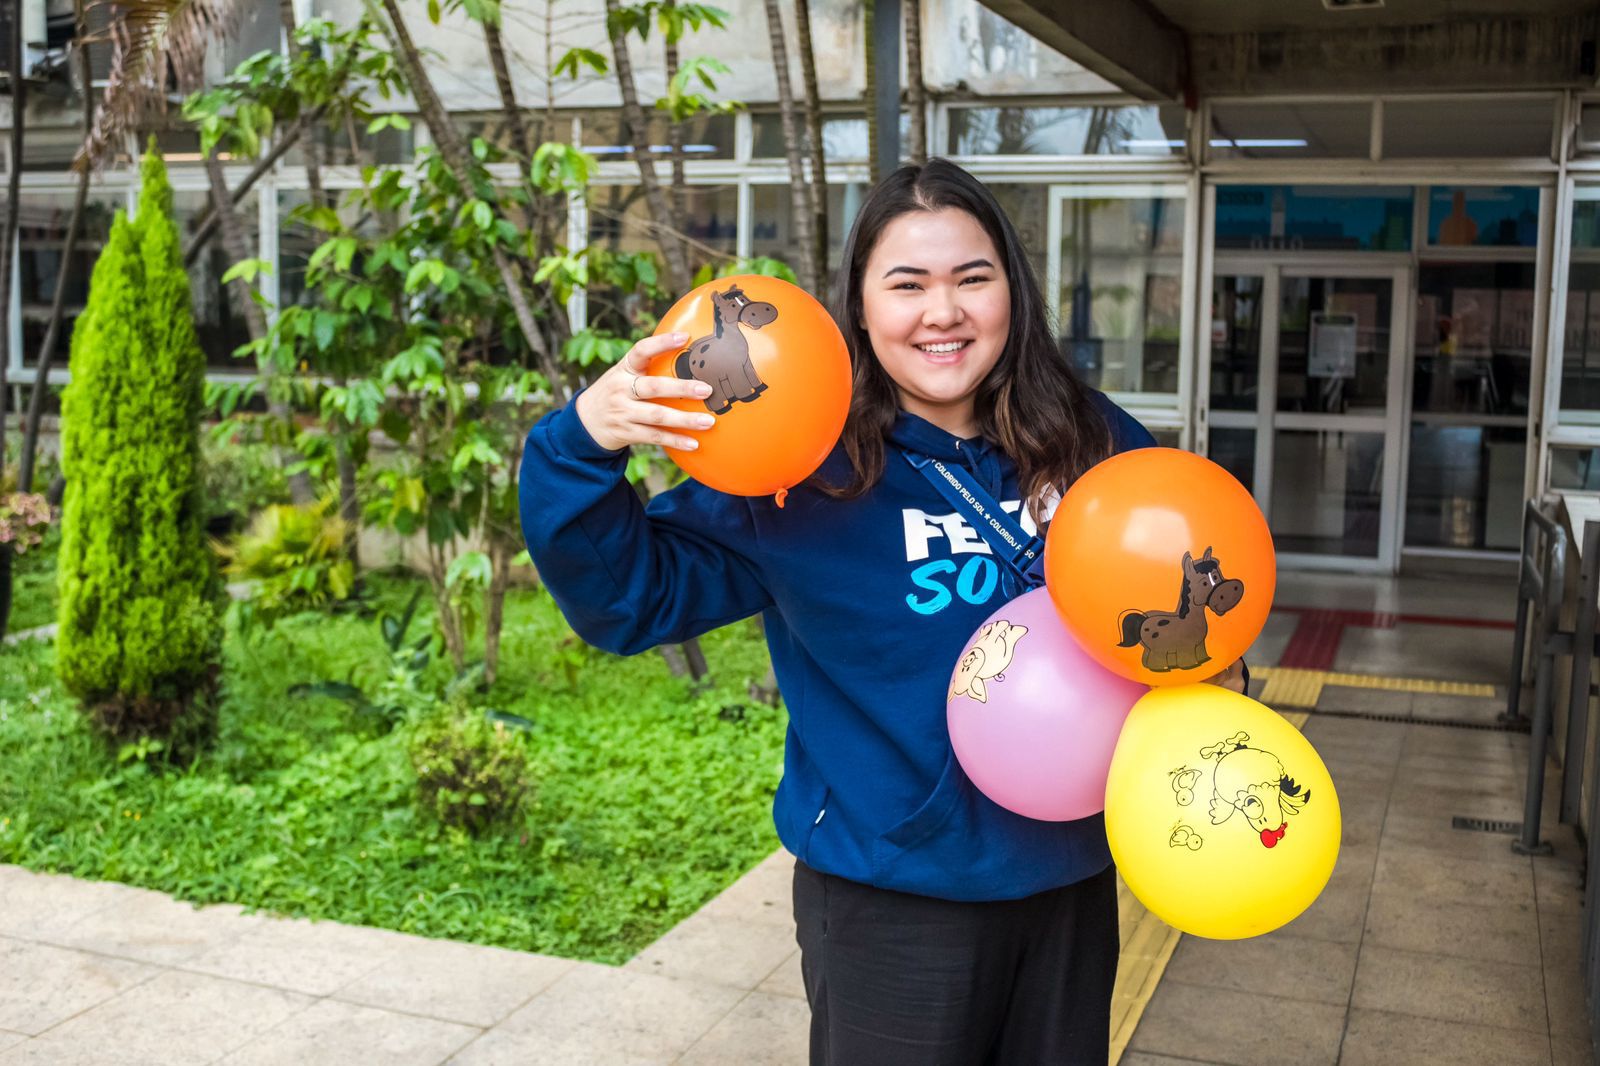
[[867, 603]]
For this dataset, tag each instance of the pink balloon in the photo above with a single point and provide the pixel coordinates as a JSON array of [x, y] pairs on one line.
[[1033, 719]]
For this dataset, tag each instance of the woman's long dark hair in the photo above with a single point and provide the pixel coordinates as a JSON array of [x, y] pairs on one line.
[[1031, 404]]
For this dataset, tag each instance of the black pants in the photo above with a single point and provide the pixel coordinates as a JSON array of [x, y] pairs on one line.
[[902, 980]]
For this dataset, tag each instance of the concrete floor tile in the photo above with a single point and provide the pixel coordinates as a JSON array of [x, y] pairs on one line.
[[317, 958], [1217, 1025], [1438, 706], [1277, 964], [1383, 1038], [786, 980], [155, 928], [1559, 885], [9, 1039], [1568, 1014], [638, 1013], [499, 1047], [1561, 940], [42, 985], [38, 906], [1465, 743], [1567, 1051], [727, 951], [1469, 778], [1491, 763], [1340, 911], [330, 1031], [1357, 700], [1437, 878], [1450, 989], [1432, 833], [765, 895], [1384, 737], [762, 1030], [467, 983], [1141, 1058], [1275, 635], [1506, 933], [1450, 653], [173, 1019]]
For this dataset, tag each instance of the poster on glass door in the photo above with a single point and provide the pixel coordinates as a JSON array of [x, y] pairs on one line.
[[1333, 345]]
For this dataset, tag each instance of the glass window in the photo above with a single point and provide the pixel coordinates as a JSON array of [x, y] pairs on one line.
[[620, 220], [349, 144], [770, 215], [1027, 206], [1314, 217], [1333, 344], [1282, 131], [1327, 491], [1504, 216], [1236, 343], [1468, 127], [216, 317], [41, 237], [494, 128], [1580, 359], [1120, 289], [1107, 130], [1575, 469], [605, 134], [1234, 450], [1474, 338], [1589, 127], [844, 137], [1465, 488]]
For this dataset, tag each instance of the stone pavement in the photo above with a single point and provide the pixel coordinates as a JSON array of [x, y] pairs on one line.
[[1430, 945]]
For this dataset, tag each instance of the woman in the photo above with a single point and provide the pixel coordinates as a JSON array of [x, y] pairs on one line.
[[934, 925]]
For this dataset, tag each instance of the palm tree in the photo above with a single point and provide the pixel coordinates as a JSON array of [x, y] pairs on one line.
[[800, 192], [813, 112], [916, 91]]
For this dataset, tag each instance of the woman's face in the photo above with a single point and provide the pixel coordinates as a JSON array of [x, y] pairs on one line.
[[936, 306]]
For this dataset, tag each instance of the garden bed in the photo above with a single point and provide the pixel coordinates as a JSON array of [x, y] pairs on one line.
[[649, 798]]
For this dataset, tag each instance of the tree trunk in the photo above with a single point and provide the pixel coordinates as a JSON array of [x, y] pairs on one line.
[[666, 223], [237, 248], [813, 111], [494, 608], [8, 238], [47, 349], [448, 139], [868, 23], [799, 191], [916, 92], [313, 145], [678, 191]]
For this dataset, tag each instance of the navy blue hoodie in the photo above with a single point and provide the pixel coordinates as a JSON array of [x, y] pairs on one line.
[[867, 603]]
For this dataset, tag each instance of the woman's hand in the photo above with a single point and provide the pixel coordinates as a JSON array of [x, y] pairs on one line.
[[616, 409], [1231, 679]]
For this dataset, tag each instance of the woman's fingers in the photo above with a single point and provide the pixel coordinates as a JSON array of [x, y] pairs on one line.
[[637, 361], [617, 410], [657, 387]]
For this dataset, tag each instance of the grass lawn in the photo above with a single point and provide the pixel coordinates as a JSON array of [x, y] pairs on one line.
[[649, 799], [33, 589]]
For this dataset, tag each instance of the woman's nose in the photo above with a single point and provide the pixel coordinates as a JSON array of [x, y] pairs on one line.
[[942, 310]]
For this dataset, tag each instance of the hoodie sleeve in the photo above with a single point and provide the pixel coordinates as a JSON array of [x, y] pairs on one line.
[[625, 576]]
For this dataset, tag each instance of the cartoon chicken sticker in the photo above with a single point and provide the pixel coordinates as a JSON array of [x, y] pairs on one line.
[[986, 660], [1253, 783]]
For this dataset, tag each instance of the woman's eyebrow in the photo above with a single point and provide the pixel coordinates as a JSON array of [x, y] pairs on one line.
[[974, 264]]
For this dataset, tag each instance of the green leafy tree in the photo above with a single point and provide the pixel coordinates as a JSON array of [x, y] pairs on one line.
[[139, 640]]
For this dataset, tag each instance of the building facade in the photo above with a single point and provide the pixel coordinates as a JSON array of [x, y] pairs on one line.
[[1377, 305]]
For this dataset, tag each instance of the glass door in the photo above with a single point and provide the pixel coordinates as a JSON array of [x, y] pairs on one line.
[[1305, 393]]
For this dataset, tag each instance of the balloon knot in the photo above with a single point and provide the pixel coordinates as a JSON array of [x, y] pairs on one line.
[[782, 494]]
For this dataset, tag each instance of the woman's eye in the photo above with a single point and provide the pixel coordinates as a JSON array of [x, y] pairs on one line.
[[978, 277], [907, 285]]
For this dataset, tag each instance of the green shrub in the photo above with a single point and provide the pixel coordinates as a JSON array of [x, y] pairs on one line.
[[296, 555], [472, 773], [139, 637], [240, 478]]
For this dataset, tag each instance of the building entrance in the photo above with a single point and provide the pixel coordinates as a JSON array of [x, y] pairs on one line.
[[1306, 388]]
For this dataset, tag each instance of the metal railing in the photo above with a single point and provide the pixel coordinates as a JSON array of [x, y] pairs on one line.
[[1541, 588]]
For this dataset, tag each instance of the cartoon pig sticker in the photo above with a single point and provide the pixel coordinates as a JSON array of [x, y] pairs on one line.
[[986, 660]]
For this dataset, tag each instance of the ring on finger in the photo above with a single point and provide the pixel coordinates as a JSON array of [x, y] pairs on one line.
[[633, 386]]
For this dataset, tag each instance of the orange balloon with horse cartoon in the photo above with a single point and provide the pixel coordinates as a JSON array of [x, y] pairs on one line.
[[780, 382], [1161, 565]]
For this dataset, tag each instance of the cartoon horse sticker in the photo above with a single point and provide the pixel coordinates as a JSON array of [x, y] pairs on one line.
[[986, 660], [1176, 640], [722, 359], [1253, 783]]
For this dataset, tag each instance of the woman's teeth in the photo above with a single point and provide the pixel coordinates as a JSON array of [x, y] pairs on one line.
[[941, 349]]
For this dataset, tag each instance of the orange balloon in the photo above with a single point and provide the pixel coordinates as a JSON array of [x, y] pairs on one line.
[[780, 376], [1161, 565]]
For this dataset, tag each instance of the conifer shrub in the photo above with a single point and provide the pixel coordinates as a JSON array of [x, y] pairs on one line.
[[139, 637]]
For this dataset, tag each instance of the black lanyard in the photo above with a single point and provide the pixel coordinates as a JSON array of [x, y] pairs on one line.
[[1018, 552]]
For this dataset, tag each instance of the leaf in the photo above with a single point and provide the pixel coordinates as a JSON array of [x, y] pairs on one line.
[[248, 269], [433, 11], [567, 66]]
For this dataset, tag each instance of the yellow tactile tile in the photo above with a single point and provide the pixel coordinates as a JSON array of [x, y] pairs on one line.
[[1290, 687], [1147, 945]]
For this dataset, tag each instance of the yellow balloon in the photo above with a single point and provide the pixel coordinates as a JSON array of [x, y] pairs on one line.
[[1222, 818]]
